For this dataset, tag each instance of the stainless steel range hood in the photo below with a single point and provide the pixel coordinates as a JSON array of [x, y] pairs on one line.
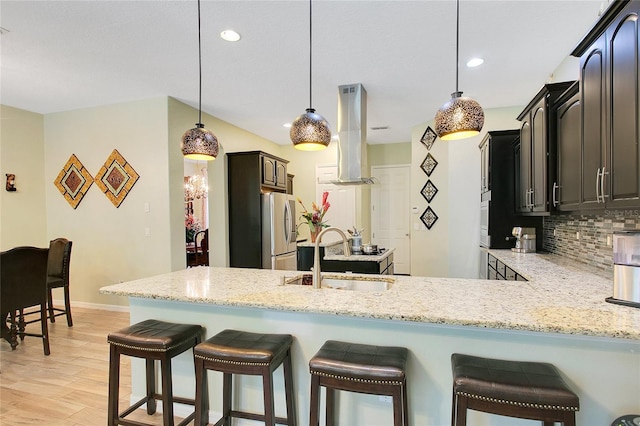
[[352, 133]]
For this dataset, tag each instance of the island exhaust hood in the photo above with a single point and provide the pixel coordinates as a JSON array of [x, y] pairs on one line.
[[352, 134]]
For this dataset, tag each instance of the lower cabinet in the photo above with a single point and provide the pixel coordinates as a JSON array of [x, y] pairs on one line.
[[499, 271]]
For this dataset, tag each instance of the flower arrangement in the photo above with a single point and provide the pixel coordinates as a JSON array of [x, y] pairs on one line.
[[314, 218], [192, 226]]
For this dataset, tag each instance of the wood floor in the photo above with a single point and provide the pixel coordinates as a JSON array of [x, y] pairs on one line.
[[70, 386]]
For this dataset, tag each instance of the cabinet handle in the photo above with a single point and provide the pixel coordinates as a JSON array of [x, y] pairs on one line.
[[553, 196], [531, 198], [598, 186], [602, 183]]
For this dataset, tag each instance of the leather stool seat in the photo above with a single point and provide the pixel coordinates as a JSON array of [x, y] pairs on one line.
[[528, 390], [151, 340], [376, 370], [240, 352]]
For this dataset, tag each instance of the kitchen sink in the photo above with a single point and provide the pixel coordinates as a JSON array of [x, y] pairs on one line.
[[359, 283]]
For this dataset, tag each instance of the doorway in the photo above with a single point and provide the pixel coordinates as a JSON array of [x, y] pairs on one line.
[[390, 213], [196, 213]]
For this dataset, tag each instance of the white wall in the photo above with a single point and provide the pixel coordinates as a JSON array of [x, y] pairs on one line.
[[450, 247], [22, 154]]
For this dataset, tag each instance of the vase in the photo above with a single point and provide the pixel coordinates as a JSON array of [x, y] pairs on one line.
[[314, 233]]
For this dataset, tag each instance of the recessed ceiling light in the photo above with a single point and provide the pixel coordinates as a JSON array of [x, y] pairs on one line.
[[230, 35], [287, 125], [475, 62]]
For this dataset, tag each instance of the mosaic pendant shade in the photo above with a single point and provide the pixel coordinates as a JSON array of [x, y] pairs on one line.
[[310, 132], [461, 117], [199, 144]]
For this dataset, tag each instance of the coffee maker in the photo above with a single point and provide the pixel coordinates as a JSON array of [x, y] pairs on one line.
[[626, 268], [525, 239]]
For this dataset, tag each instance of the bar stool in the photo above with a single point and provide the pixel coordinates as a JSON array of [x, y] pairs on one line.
[[240, 352], [375, 370], [151, 340], [526, 390]]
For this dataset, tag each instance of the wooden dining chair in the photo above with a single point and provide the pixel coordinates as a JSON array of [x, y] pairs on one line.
[[23, 284], [202, 248], [58, 277]]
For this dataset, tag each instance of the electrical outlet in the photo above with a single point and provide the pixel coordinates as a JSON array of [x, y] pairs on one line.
[[385, 398], [147, 232], [608, 240], [578, 235], [555, 232]]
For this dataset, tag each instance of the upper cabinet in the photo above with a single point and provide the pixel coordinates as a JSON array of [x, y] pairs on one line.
[[566, 189], [274, 171], [610, 103], [536, 168]]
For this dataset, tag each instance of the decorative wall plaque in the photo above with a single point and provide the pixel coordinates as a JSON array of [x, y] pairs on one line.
[[429, 164], [429, 191], [429, 217], [428, 138], [116, 178], [73, 181]]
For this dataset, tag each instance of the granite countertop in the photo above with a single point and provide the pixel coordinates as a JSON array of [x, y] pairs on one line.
[[560, 297]]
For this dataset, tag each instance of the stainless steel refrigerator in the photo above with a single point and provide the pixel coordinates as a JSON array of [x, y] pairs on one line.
[[278, 231]]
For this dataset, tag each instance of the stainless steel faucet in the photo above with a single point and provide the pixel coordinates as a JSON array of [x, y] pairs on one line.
[[317, 278]]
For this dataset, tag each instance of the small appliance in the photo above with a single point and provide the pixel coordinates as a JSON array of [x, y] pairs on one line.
[[626, 268], [525, 239]]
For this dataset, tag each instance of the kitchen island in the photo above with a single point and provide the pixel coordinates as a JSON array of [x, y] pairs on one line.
[[558, 316]]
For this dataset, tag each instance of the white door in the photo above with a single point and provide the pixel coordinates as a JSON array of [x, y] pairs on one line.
[[342, 213], [390, 213]]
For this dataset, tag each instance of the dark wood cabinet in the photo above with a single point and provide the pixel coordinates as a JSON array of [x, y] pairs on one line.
[[246, 181], [610, 96], [566, 190], [497, 191], [274, 171], [497, 270], [537, 150], [290, 184]]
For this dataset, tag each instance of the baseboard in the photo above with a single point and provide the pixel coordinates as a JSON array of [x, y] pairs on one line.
[[88, 305]]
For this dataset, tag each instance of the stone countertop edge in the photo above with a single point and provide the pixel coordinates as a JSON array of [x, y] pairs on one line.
[[310, 244], [560, 297]]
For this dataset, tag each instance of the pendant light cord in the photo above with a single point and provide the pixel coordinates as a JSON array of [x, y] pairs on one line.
[[310, 53], [457, 40], [199, 70]]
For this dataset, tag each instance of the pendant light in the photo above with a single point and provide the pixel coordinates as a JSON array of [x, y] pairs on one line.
[[199, 143], [310, 131], [461, 117]]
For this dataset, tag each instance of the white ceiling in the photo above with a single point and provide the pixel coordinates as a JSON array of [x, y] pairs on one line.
[[64, 55]]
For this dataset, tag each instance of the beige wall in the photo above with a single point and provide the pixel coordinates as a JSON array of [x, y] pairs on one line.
[[450, 247], [23, 212], [387, 154]]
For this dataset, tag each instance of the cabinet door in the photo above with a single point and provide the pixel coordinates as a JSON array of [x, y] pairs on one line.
[[569, 125], [592, 93], [622, 174], [281, 174], [268, 171], [524, 196], [539, 148]]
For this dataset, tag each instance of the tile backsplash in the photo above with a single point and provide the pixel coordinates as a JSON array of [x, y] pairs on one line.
[[587, 239]]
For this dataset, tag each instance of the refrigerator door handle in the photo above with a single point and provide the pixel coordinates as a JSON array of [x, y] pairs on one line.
[[287, 222]]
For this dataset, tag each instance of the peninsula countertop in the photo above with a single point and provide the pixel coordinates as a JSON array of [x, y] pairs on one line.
[[558, 298]]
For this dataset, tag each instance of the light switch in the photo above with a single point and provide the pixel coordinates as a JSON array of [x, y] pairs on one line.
[[147, 232], [147, 209]]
